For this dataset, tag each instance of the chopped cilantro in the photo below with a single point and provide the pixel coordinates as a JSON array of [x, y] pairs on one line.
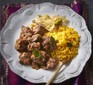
[[36, 53], [69, 44], [52, 40]]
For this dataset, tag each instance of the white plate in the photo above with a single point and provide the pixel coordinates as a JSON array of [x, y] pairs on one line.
[[11, 31]]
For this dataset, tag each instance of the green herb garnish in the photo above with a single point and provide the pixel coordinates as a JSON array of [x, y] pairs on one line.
[[52, 40], [36, 53], [69, 44], [58, 21]]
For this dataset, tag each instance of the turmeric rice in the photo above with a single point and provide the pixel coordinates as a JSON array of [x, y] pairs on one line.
[[67, 43]]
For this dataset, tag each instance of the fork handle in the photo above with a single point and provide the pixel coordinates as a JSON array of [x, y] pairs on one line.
[[54, 75]]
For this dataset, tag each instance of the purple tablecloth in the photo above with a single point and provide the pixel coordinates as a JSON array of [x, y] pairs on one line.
[[12, 78]]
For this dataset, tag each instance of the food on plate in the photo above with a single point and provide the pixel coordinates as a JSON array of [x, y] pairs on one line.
[[35, 48], [51, 22], [67, 43], [47, 42]]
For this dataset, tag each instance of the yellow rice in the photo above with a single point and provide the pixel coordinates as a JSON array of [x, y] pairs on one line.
[[63, 35]]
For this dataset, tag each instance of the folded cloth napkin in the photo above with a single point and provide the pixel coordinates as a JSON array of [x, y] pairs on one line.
[[14, 79]]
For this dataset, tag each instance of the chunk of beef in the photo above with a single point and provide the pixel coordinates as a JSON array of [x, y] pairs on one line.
[[46, 43], [38, 29], [46, 40], [26, 29], [26, 33], [42, 60], [24, 58], [44, 57], [21, 45], [34, 45], [45, 54], [36, 38], [35, 66], [33, 57], [49, 43], [52, 63]]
